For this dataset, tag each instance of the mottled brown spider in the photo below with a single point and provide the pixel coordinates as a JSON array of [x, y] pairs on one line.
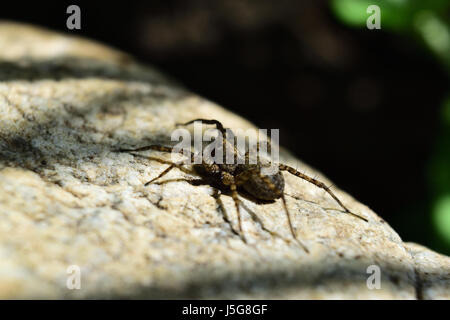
[[246, 176]]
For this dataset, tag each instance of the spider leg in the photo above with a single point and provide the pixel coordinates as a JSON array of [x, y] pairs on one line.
[[319, 184], [216, 195], [242, 177], [173, 165], [194, 182], [229, 180], [290, 224], [235, 197], [157, 148], [163, 161], [268, 150], [269, 146], [223, 131], [247, 154], [217, 123], [288, 215], [150, 147]]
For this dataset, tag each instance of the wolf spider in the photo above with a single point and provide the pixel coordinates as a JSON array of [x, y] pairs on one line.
[[247, 176]]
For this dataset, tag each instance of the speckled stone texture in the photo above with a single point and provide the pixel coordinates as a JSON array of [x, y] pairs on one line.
[[67, 199]]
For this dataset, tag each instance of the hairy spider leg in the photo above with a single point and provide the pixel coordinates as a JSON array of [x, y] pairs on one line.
[[269, 149], [162, 174], [319, 184], [244, 176], [229, 180], [223, 131], [172, 165], [234, 195], [217, 123], [157, 148], [288, 215]]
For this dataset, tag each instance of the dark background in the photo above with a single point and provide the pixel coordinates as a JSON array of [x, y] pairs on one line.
[[359, 105]]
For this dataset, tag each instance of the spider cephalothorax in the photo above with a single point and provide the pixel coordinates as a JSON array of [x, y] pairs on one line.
[[249, 176]]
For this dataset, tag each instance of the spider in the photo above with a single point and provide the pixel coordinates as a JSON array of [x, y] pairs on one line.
[[246, 176]]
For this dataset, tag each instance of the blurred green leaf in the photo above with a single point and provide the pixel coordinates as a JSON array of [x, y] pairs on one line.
[[429, 22], [441, 218], [351, 12], [430, 18], [435, 33], [394, 13]]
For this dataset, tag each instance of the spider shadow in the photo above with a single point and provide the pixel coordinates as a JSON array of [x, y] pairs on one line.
[[219, 190]]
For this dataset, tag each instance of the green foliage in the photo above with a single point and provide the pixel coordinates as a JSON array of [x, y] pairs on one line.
[[440, 179], [427, 21], [354, 12], [441, 218]]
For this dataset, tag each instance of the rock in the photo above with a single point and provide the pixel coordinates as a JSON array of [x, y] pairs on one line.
[[67, 199], [432, 273]]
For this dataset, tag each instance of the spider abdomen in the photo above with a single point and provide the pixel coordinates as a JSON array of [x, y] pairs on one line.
[[268, 188]]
